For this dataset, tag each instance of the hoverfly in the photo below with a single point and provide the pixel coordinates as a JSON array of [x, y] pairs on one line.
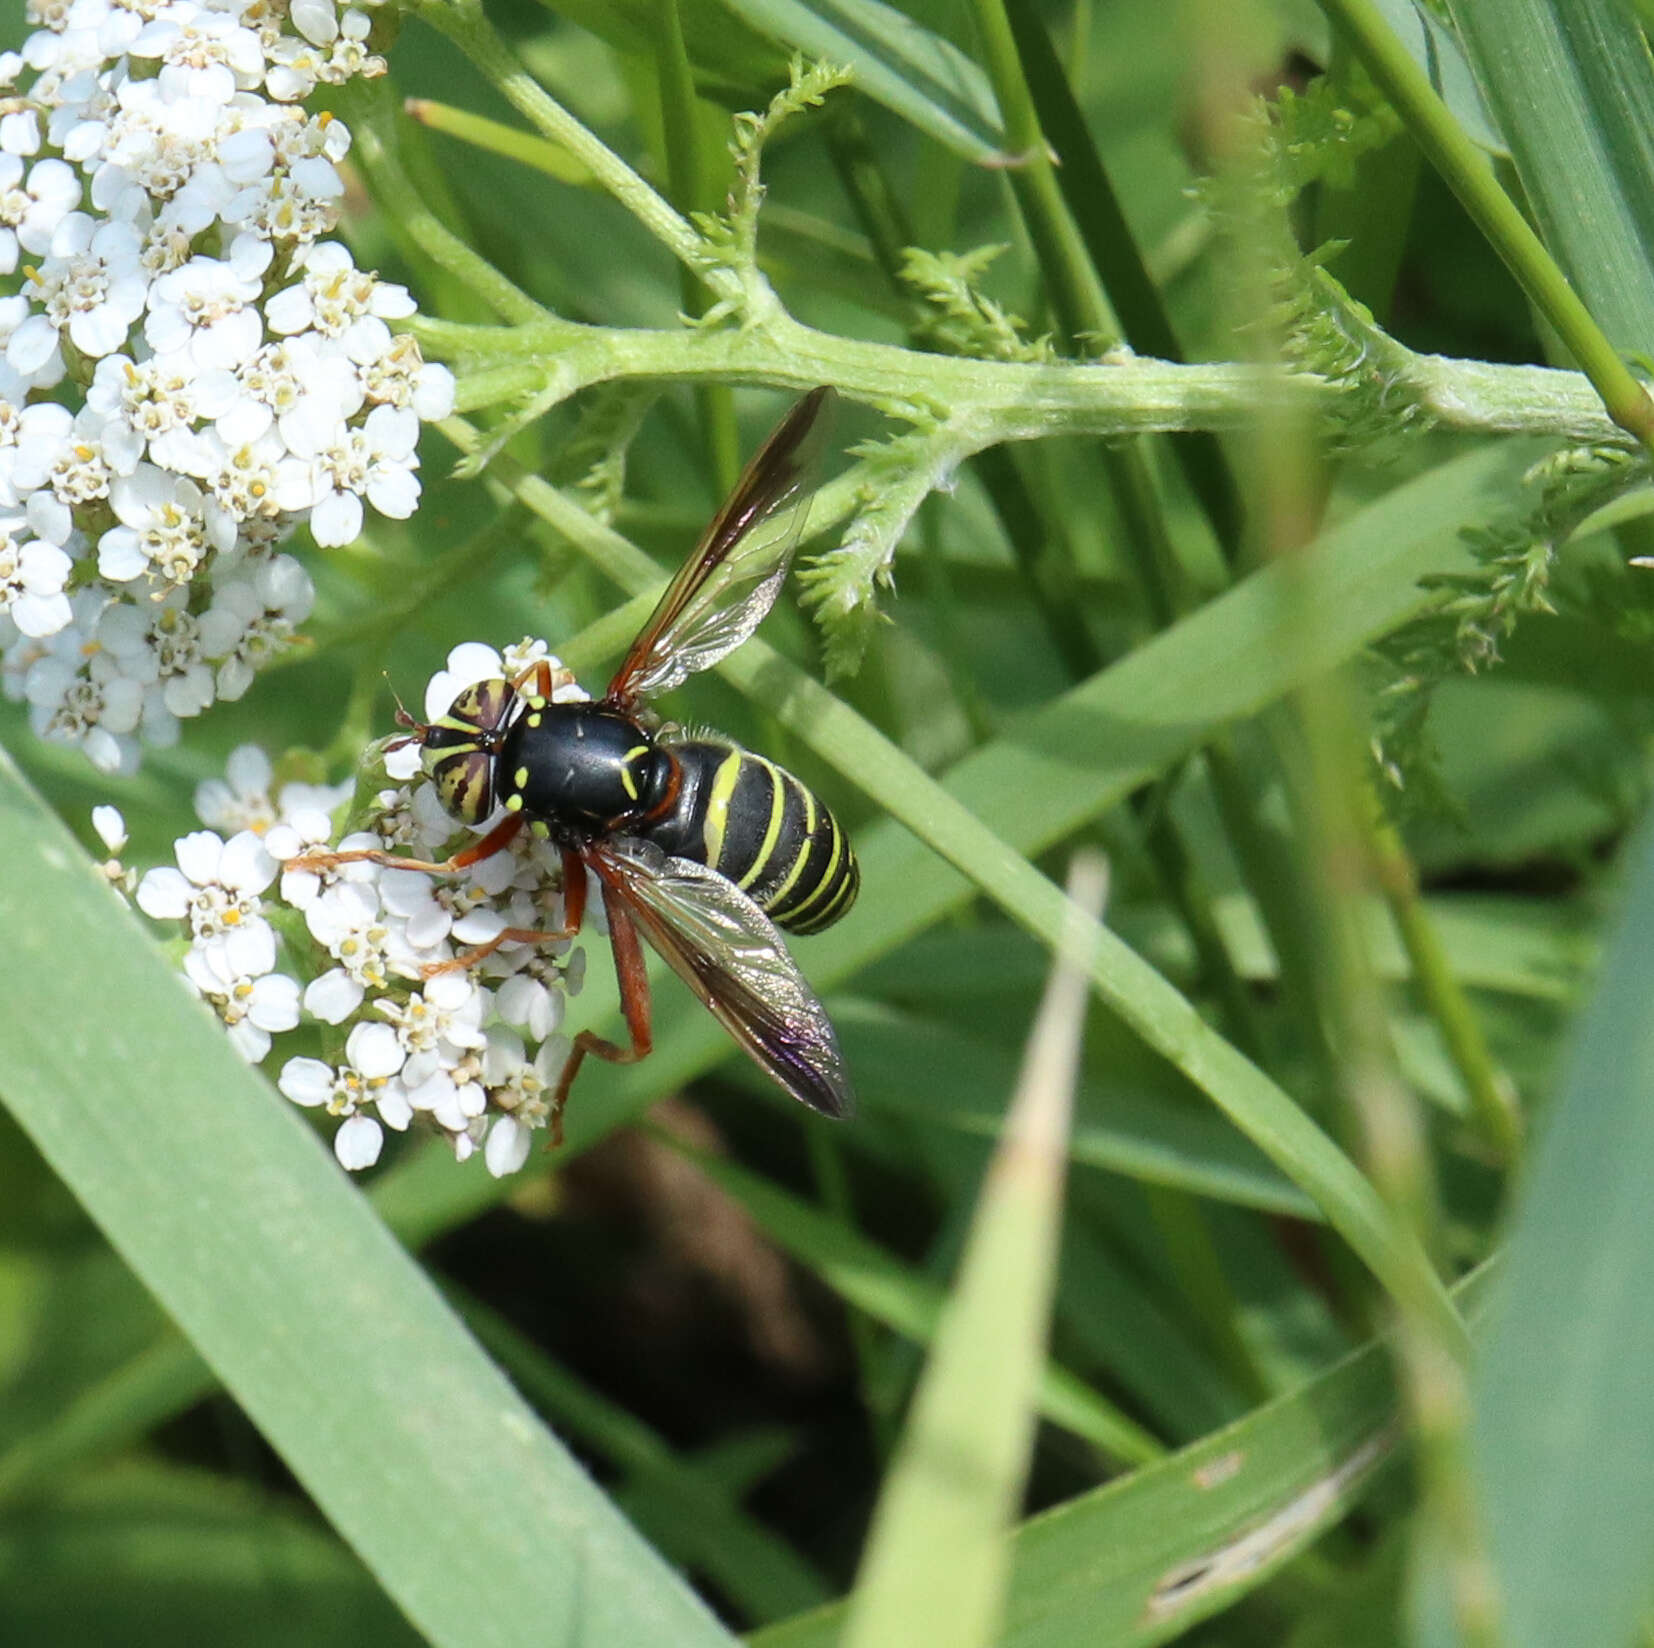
[[703, 847]]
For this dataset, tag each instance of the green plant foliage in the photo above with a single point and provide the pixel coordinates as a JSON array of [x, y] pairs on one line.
[[1572, 1559]]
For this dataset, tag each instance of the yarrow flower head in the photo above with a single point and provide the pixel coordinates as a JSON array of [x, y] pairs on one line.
[[190, 368], [384, 997]]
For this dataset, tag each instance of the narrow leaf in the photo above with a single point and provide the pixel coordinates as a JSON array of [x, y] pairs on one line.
[[1142, 1559], [1564, 1412], [937, 1555], [234, 1215], [1572, 88]]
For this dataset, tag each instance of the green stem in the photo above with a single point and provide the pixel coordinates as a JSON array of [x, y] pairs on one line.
[[1464, 169], [1077, 296], [1495, 1112], [1089, 196], [1078, 299], [1011, 400], [494, 136]]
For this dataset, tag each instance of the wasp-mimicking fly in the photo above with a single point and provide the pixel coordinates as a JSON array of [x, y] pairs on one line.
[[700, 845]]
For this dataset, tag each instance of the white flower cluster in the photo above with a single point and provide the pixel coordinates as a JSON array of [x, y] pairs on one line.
[[473, 1050], [189, 370]]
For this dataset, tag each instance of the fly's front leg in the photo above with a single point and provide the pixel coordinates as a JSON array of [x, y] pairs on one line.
[[633, 979], [496, 841], [539, 673]]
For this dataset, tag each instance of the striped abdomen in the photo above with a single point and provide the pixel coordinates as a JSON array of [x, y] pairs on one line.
[[755, 823]]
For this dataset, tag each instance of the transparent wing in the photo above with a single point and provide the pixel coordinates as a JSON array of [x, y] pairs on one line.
[[723, 590], [729, 953]]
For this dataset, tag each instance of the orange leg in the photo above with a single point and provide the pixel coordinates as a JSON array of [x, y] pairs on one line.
[[574, 914], [541, 674], [633, 979], [496, 841]]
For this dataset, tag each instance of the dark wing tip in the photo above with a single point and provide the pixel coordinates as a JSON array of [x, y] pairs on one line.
[[813, 1072]]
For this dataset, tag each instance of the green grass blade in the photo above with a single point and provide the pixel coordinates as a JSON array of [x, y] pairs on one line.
[[1436, 50], [897, 62], [231, 1212], [937, 1554], [864, 1275], [1142, 1559], [1563, 1435], [1572, 89]]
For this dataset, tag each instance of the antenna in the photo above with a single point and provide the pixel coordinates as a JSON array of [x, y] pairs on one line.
[[417, 729]]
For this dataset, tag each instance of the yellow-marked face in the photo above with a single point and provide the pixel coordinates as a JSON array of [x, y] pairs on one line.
[[459, 749]]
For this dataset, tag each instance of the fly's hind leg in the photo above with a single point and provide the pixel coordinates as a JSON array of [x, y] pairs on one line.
[[633, 979], [574, 915]]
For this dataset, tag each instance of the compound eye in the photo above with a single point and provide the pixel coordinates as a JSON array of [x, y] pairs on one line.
[[464, 782], [482, 706]]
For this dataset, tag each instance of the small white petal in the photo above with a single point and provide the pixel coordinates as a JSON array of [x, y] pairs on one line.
[[246, 866], [357, 1144], [165, 894], [374, 1050], [250, 1041], [111, 827], [306, 1081], [393, 1107], [274, 1004], [507, 1147], [333, 997], [394, 493], [337, 520], [250, 949], [198, 855], [402, 764]]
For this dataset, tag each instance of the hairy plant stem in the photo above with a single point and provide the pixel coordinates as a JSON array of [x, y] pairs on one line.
[[998, 400]]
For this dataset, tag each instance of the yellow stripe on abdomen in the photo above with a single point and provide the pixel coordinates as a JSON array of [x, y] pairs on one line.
[[718, 796], [772, 830]]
